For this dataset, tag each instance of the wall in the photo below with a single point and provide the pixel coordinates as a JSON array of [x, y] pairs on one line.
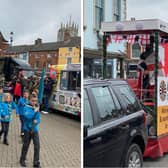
[[64, 53], [45, 58]]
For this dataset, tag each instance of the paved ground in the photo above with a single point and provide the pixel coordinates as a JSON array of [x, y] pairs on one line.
[[59, 138], [156, 163]]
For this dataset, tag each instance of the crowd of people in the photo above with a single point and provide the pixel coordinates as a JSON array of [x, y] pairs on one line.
[[22, 97]]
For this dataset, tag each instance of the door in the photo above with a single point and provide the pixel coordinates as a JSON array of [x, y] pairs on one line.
[[106, 140]]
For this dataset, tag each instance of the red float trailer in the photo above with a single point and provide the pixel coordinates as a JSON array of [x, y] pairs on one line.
[[151, 36]]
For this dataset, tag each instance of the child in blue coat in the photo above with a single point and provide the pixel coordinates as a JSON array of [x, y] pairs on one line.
[[31, 116], [23, 101], [6, 109]]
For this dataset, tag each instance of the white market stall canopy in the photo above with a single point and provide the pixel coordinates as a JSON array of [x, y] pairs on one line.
[[135, 27]]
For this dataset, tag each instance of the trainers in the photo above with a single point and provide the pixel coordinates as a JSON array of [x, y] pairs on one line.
[[44, 112], [37, 166], [22, 163], [5, 143]]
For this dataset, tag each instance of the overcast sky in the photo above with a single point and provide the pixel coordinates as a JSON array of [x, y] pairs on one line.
[[146, 9], [30, 19]]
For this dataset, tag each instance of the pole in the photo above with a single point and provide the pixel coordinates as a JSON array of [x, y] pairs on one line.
[[156, 72], [121, 68], [104, 57]]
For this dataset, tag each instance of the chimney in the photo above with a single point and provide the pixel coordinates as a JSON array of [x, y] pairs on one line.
[[38, 41], [133, 19]]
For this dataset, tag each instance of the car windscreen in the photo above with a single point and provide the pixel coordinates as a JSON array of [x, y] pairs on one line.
[[70, 80]]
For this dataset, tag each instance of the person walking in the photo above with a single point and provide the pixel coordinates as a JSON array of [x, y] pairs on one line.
[[23, 101], [6, 115], [31, 131]]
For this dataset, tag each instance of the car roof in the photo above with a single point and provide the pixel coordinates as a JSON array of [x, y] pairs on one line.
[[104, 81]]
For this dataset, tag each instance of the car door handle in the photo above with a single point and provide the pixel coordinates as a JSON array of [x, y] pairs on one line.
[[96, 140], [124, 126]]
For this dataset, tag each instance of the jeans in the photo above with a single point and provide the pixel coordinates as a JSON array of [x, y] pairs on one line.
[[4, 130], [45, 101], [21, 121]]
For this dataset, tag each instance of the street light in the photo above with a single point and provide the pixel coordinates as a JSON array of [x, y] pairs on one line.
[[11, 38]]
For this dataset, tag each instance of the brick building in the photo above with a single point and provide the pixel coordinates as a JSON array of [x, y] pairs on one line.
[[3, 44], [45, 54]]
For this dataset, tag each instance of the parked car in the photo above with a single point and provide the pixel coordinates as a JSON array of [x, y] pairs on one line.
[[115, 133]]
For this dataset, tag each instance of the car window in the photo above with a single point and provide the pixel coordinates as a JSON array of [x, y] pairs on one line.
[[88, 119], [129, 98], [118, 106], [105, 103]]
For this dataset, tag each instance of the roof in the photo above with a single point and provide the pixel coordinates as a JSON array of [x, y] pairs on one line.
[[105, 81], [2, 37], [94, 53], [22, 64], [136, 27], [52, 46]]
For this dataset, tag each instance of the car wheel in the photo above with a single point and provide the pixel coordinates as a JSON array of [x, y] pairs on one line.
[[133, 157]]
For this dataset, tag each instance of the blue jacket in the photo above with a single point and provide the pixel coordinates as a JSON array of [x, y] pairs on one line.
[[1, 97], [29, 115], [21, 103], [6, 111]]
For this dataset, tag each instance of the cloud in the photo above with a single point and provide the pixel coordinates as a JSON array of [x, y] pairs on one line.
[[147, 9], [30, 19]]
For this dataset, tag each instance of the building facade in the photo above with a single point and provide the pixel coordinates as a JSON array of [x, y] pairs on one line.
[[68, 55], [43, 55], [95, 12], [3, 44]]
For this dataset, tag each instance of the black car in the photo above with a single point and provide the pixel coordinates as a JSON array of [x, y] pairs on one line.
[[115, 132]]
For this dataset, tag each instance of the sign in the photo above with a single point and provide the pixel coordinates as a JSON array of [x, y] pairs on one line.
[[162, 106], [53, 73]]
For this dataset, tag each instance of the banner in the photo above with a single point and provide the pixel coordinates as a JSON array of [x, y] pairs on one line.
[[162, 106]]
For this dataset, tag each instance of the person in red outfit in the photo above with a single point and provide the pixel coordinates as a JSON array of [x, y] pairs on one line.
[[17, 91]]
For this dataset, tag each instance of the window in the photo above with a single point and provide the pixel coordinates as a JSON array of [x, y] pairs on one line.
[[69, 60], [99, 13], [70, 49], [64, 80], [118, 106], [117, 10], [104, 102], [70, 80], [61, 99], [129, 98], [36, 65], [136, 50], [48, 55], [88, 120], [23, 56]]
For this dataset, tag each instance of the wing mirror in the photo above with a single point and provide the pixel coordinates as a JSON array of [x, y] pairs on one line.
[[85, 130]]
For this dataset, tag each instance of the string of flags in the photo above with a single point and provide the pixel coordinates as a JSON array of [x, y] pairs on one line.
[[142, 39]]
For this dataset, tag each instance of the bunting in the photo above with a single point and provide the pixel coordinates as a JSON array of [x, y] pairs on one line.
[[142, 39]]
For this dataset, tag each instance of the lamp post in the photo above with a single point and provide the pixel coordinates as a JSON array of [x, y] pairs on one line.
[[11, 38], [104, 57]]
